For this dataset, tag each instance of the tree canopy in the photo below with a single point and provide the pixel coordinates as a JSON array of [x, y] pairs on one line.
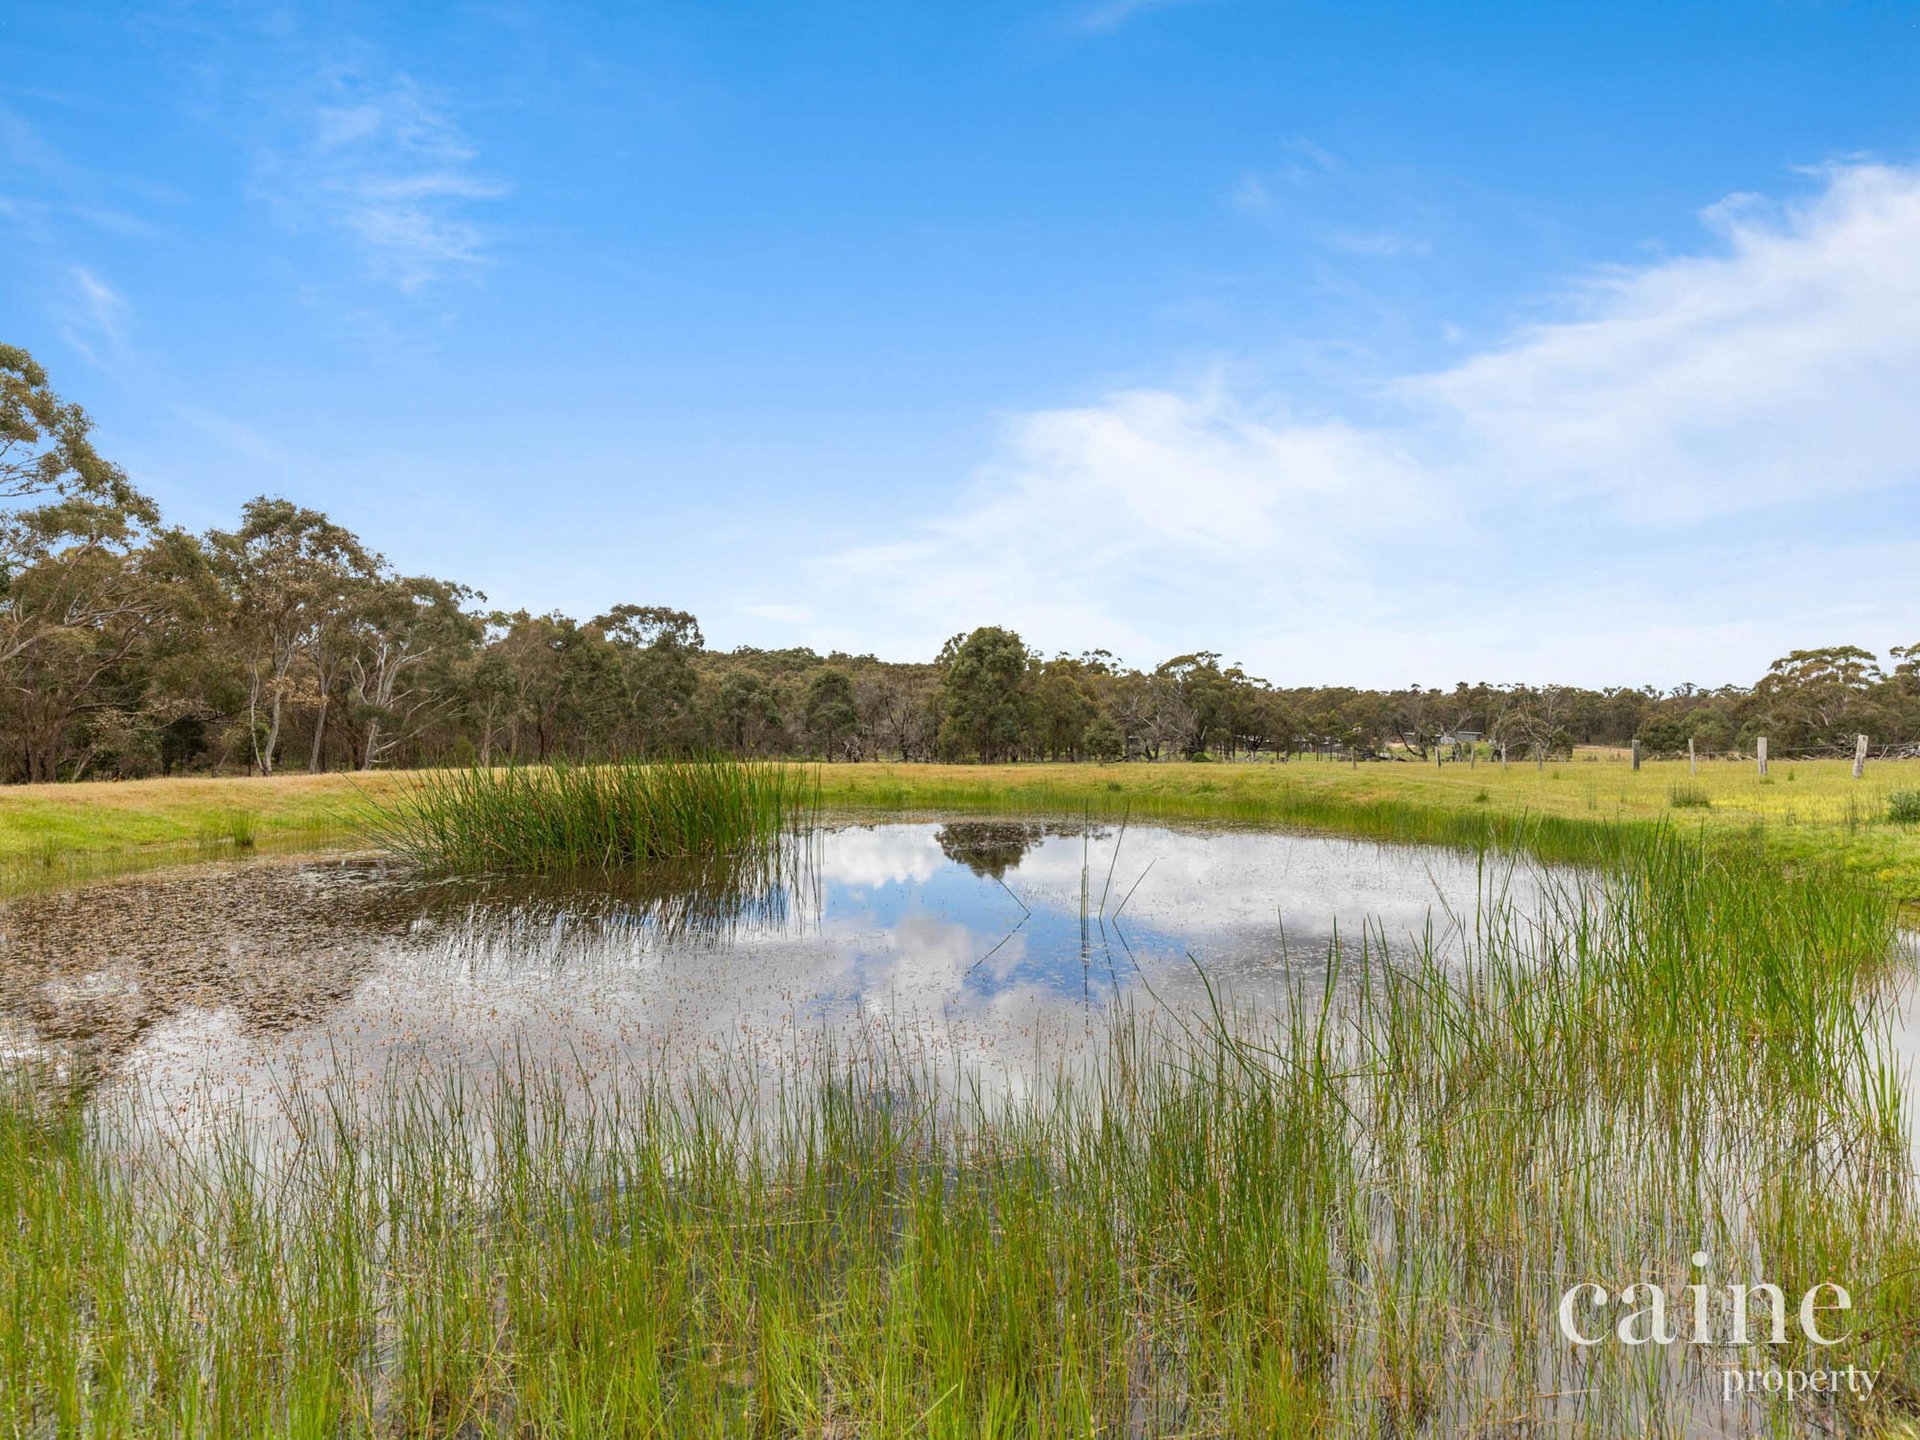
[[128, 647]]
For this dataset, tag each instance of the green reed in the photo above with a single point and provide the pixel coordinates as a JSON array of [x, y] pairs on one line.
[[580, 817], [237, 830], [1343, 1207]]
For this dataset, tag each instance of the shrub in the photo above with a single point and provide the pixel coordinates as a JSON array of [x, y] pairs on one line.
[[1903, 807]]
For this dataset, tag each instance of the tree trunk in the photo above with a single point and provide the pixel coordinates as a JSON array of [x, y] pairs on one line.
[[273, 731], [319, 737]]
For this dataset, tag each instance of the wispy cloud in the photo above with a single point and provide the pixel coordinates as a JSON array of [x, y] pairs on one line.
[[1300, 162], [1382, 244], [93, 316], [1614, 494], [243, 440], [1252, 194], [1114, 13], [383, 166]]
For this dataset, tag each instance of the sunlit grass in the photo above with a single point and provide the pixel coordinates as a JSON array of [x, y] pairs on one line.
[[1823, 816]]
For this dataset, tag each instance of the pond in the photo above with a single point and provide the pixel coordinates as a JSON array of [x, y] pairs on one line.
[[1495, 1108], [995, 944]]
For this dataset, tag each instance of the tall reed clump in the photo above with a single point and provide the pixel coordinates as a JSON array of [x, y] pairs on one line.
[[237, 829], [1345, 1208], [576, 817]]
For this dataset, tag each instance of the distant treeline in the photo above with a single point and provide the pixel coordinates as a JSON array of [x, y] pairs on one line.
[[131, 648]]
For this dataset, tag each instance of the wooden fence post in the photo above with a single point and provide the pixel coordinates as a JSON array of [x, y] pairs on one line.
[[1636, 753], [1859, 756], [1762, 751], [1693, 765]]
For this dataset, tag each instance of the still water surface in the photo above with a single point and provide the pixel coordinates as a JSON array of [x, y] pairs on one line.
[[997, 946]]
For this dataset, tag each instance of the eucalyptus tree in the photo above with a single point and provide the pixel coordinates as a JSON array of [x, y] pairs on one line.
[[983, 691], [75, 595], [565, 682], [405, 642], [832, 717], [99, 612], [746, 713], [46, 443], [489, 701], [296, 579], [1064, 704], [1811, 699], [85, 516], [656, 648], [1534, 719], [900, 708]]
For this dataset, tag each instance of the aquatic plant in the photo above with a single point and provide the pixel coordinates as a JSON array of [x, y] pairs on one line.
[[565, 816], [235, 829], [1348, 1212]]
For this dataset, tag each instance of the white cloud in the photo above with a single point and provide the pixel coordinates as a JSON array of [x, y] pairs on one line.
[[93, 316], [1781, 368], [1688, 425], [1099, 521], [383, 166]]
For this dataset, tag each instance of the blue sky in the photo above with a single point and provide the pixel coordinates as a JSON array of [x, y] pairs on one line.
[[1364, 343]]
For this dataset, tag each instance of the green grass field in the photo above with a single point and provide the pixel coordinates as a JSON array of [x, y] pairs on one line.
[[1804, 811]]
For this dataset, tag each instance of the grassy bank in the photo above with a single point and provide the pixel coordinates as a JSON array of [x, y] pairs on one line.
[[54, 833], [1808, 811], [1310, 1222], [1805, 811]]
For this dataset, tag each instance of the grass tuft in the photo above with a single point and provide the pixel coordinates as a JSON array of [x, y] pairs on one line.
[[590, 817]]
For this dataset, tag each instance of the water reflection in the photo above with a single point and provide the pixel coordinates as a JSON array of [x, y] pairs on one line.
[[989, 848], [991, 941]]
